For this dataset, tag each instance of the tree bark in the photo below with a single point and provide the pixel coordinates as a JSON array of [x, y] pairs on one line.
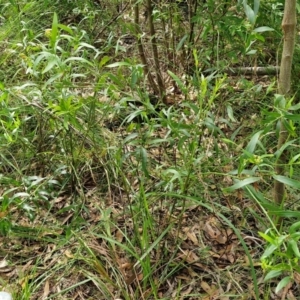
[[289, 33]]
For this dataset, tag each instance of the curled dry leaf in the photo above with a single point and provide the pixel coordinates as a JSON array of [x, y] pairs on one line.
[[213, 233]]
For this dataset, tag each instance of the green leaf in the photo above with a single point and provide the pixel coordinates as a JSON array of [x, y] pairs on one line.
[[250, 14], [267, 237], [230, 113], [293, 244], [289, 126], [256, 6], [130, 137], [241, 184], [178, 81], [263, 29], [20, 195], [144, 161], [288, 181], [272, 274], [81, 59], [104, 60], [294, 117], [283, 147], [279, 101], [284, 213], [295, 107], [269, 250], [65, 28], [54, 30], [181, 42], [119, 64], [294, 227], [251, 52], [282, 283], [253, 142]]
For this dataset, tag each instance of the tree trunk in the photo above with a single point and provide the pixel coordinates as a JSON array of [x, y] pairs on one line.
[[289, 32]]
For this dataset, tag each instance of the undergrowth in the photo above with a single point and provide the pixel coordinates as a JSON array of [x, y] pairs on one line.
[[106, 192]]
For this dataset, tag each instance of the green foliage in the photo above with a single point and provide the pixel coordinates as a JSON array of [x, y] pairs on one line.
[[281, 255], [95, 170]]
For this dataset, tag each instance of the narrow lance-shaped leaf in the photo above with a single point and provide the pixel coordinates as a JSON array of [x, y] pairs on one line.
[[253, 142], [283, 282], [272, 274], [54, 30], [241, 184], [288, 181]]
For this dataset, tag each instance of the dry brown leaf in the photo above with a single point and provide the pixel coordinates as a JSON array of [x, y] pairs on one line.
[[59, 199], [3, 263], [68, 254], [214, 233], [46, 289], [67, 218], [27, 266], [297, 277], [212, 291], [290, 296], [119, 236], [192, 236], [205, 286]]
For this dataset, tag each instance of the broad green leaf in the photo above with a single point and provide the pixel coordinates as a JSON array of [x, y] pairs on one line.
[[294, 247], [178, 81], [119, 64], [251, 52], [295, 107], [104, 60], [282, 283], [81, 59], [20, 195], [272, 274], [253, 142], [227, 141], [65, 28], [241, 184], [295, 236], [279, 101], [52, 79], [256, 6], [86, 45], [130, 137], [115, 79], [284, 213], [294, 227], [263, 29], [288, 181], [270, 249], [230, 113], [54, 30], [292, 117], [289, 126], [181, 42], [212, 127], [283, 147], [51, 63], [267, 237], [250, 14]]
